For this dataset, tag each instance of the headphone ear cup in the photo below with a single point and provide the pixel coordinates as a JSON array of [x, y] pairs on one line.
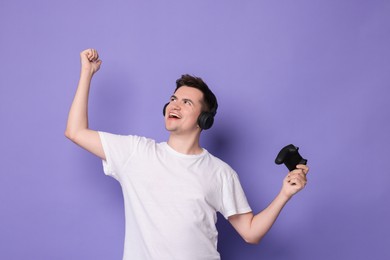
[[205, 120], [165, 108]]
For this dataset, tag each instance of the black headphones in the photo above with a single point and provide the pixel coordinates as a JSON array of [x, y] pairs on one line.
[[205, 119]]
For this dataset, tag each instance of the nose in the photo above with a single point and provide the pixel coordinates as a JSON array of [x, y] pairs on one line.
[[175, 105]]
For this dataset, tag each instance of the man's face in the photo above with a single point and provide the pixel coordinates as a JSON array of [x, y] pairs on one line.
[[183, 110]]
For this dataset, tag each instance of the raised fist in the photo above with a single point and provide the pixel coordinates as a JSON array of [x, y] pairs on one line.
[[90, 61]]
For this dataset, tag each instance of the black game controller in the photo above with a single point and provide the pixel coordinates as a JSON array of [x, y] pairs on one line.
[[290, 156]]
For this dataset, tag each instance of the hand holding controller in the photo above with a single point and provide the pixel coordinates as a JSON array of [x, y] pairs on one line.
[[290, 156]]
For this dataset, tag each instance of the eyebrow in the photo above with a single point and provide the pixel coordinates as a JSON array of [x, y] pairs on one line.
[[184, 99]]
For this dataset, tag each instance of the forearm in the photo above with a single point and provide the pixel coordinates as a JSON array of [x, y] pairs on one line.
[[262, 222], [253, 227], [78, 114]]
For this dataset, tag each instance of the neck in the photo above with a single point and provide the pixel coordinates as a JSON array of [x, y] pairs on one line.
[[185, 144]]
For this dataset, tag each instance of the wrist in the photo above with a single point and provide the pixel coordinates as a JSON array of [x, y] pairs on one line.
[[87, 73], [284, 197]]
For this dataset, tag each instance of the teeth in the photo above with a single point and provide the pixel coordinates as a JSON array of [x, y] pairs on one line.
[[173, 115]]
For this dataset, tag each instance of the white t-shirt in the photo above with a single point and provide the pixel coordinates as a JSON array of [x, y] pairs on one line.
[[171, 199]]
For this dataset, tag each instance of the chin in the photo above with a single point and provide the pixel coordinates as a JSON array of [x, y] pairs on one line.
[[169, 128]]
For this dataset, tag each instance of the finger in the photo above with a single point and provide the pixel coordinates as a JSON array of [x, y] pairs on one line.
[[297, 171], [89, 54], [98, 63], [93, 55], [96, 55], [299, 182], [294, 181], [302, 176], [86, 53], [296, 176], [303, 167]]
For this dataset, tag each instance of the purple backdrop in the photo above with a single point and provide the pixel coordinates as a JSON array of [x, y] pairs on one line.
[[312, 73]]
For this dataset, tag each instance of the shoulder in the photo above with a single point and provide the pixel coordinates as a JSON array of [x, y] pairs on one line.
[[218, 161], [135, 138], [222, 167], [119, 140]]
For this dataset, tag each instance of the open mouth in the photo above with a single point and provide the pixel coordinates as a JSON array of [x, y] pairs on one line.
[[173, 115]]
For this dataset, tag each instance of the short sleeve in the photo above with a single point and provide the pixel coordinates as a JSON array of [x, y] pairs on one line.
[[117, 149], [234, 200]]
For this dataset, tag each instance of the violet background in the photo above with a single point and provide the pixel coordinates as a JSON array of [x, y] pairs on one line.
[[311, 73]]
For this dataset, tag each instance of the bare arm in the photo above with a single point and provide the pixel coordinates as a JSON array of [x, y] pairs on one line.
[[77, 126], [252, 228]]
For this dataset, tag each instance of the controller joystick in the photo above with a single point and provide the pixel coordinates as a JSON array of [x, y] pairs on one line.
[[290, 156]]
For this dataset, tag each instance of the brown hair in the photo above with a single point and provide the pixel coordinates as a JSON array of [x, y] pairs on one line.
[[210, 99]]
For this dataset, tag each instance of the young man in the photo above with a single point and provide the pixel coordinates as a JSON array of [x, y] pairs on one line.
[[173, 190]]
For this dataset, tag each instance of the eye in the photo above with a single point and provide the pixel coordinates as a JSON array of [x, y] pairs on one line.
[[187, 102]]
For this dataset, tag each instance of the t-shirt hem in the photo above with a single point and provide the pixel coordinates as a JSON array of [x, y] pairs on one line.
[[236, 212], [107, 169]]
